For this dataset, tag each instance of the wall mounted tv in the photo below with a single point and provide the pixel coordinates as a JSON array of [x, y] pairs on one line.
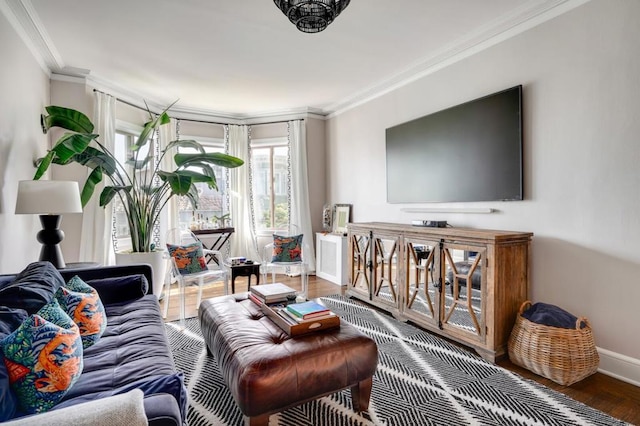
[[470, 152]]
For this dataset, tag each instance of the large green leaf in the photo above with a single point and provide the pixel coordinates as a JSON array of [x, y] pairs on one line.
[[95, 177], [72, 143], [199, 177], [180, 183], [109, 192], [199, 167], [65, 118], [149, 128], [138, 164], [143, 139], [216, 158], [193, 197], [43, 165], [186, 143], [94, 158]]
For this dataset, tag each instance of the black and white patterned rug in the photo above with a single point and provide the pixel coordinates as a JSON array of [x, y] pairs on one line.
[[421, 380]]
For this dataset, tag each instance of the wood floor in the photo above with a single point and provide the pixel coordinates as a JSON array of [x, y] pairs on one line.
[[612, 396]]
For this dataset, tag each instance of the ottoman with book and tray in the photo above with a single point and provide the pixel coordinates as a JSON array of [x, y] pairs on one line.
[[271, 363]]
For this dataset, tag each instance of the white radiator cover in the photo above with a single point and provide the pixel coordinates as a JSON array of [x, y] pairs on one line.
[[331, 258]]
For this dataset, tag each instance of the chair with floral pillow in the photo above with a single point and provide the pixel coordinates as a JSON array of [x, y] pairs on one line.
[[189, 265], [286, 252]]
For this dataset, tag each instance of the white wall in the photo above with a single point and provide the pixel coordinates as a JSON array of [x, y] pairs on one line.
[[24, 88], [316, 167], [581, 78], [79, 97]]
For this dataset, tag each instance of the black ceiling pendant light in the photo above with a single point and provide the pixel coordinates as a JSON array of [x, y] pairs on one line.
[[311, 16]]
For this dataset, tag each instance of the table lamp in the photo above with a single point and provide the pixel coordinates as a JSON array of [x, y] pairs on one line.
[[49, 199]]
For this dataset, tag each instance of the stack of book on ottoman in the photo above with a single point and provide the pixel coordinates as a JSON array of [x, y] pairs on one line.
[[268, 294], [277, 302]]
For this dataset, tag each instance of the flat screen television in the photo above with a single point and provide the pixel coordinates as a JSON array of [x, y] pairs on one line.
[[470, 152]]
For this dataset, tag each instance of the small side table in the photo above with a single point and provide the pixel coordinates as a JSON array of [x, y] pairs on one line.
[[244, 270]]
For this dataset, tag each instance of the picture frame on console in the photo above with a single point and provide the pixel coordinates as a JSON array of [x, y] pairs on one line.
[[341, 217], [327, 218]]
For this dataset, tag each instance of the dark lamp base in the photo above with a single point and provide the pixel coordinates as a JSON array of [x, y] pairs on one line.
[[50, 236]]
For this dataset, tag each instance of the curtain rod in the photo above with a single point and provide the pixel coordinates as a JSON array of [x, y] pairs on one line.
[[184, 119]]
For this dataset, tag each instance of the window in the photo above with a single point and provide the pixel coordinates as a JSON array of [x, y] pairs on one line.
[[270, 175], [213, 206], [124, 139]]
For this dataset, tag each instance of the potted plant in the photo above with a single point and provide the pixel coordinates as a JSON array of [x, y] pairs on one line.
[[142, 187]]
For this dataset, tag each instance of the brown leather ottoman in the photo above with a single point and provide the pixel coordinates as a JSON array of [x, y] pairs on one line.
[[267, 371]]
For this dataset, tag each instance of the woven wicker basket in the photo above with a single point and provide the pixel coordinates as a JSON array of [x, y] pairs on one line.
[[563, 355]]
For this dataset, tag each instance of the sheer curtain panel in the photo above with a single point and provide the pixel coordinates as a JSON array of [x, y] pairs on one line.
[[300, 209], [95, 244], [169, 215], [244, 241]]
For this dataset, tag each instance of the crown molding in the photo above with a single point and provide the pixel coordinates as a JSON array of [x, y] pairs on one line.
[[529, 15], [26, 22], [85, 78]]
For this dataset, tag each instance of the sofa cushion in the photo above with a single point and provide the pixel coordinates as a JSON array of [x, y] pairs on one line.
[[8, 400], [121, 410], [171, 384], [82, 303], [10, 320], [6, 280], [33, 287], [43, 360], [120, 289], [133, 348]]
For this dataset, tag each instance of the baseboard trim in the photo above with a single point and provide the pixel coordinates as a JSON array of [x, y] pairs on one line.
[[619, 366]]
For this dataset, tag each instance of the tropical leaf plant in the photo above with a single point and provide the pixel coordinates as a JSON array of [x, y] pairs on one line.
[[142, 187]]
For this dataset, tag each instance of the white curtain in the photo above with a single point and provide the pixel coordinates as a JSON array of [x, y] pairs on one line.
[[244, 242], [95, 241], [300, 210], [169, 216]]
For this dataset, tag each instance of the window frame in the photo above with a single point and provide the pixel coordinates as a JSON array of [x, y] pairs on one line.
[[207, 141], [271, 143], [131, 131]]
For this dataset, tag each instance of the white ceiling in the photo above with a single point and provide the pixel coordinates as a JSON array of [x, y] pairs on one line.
[[244, 58]]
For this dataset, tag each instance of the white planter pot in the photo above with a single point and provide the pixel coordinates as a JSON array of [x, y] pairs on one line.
[[157, 261]]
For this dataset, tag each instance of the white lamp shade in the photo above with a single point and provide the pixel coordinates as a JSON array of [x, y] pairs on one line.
[[48, 197]]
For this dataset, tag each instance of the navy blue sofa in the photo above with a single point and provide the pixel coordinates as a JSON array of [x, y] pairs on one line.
[[132, 353]]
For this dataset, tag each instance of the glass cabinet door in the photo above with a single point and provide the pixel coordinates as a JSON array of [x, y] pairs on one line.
[[360, 249], [385, 270], [464, 280], [422, 296]]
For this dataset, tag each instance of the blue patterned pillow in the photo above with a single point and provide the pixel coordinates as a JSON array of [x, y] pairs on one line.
[[287, 249], [43, 361], [189, 259], [54, 313], [82, 303]]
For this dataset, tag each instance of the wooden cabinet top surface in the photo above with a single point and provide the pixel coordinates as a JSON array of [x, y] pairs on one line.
[[489, 235]]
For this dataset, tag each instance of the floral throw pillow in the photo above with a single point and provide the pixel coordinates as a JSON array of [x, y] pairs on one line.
[[189, 258], [82, 303], [287, 249], [54, 313], [43, 361]]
